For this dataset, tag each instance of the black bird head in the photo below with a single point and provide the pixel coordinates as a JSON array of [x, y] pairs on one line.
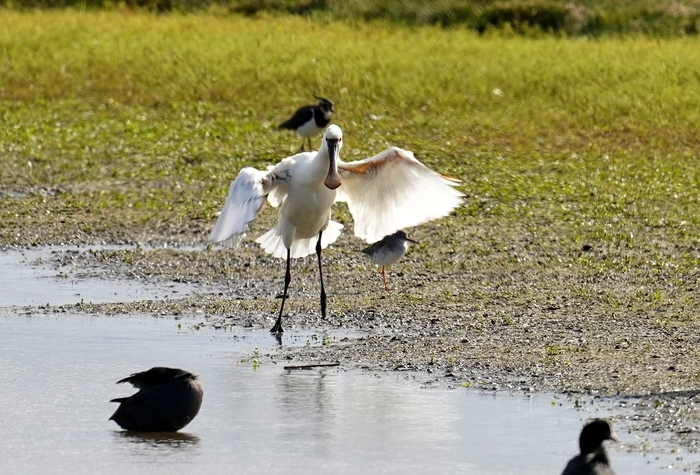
[[325, 104], [593, 435], [402, 234]]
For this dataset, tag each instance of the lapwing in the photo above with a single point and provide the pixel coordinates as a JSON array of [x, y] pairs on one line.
[[308, 121]]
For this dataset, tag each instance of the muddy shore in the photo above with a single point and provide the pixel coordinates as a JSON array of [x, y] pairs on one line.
[[490, 309]]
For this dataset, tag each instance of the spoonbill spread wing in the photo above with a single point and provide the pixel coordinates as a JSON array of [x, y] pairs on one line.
[[392, 191], [246, 198]]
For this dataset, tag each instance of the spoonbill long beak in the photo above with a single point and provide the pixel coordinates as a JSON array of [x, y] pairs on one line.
[[332, 181]]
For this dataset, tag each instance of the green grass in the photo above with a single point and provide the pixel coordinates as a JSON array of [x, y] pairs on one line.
[[121, 120]]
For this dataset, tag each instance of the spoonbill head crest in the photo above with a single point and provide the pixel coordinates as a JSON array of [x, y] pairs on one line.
[[333, 132], [332, 143]]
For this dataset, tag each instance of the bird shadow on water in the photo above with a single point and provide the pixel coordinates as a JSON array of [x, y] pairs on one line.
[[148, 441]]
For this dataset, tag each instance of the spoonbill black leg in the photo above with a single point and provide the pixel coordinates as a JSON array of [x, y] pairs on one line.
[[287, 279], [320, 273]]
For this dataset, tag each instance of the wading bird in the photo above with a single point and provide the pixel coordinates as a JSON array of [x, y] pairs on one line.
[[388, 251], [389, 191], [168, 400], [308, 121], [592, 460]]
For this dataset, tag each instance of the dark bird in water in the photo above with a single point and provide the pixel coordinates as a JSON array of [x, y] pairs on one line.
[[388, 251], [168, 400], [592, 460], [308, 121]]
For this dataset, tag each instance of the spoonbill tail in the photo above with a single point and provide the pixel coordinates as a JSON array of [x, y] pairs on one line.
[[168, 400], [384, 193], [388, 251], [310, 120]]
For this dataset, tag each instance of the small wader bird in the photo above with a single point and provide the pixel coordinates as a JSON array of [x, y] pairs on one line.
[[388, 251]]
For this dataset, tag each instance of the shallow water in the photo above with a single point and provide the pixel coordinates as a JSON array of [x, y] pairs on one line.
[[30, 277], [58, 374]]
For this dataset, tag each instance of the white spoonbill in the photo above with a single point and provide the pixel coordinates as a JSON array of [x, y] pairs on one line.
[[387, 192]]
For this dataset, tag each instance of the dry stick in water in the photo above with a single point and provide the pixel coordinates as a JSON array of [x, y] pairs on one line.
[[311, 366]]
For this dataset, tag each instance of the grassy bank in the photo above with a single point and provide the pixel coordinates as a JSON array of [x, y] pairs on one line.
[[578, 17], [115, 108]]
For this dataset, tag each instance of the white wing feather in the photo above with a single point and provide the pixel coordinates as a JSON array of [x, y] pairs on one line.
[[280, 172], [392, 191], [272, 242], [246, 198]]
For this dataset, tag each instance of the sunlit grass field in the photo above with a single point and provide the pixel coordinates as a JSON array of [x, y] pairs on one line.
[[123, 120], [663, 18]]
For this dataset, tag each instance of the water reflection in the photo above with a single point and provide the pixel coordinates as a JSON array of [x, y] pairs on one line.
[[168, 440], [307, 403], [171, 450]]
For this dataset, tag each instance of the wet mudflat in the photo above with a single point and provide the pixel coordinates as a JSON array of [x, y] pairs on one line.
[[59, 373]]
